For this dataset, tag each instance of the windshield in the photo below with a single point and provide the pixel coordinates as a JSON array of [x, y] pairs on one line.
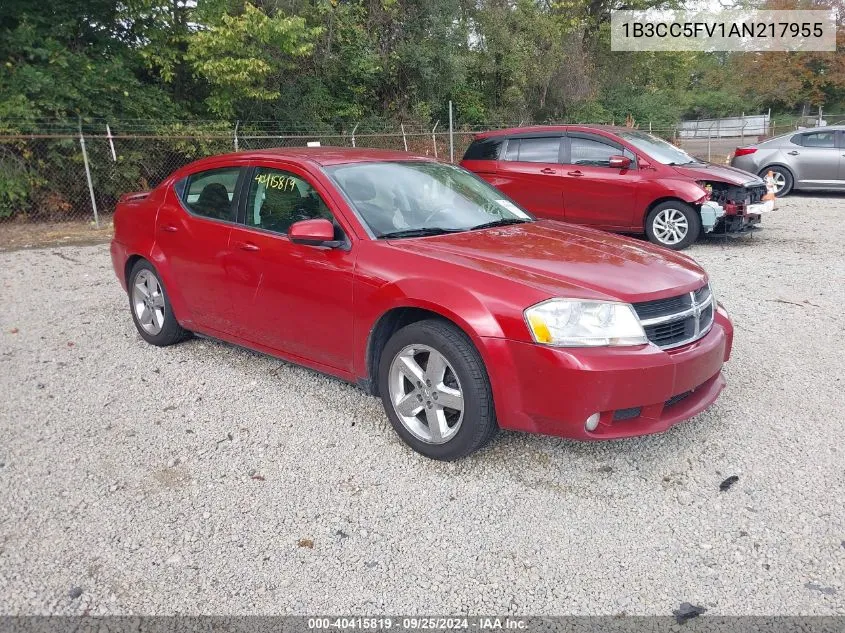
[[658, 149], [410, 199]]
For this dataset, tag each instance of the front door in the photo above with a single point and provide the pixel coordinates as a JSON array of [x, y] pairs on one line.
[[192, 232], [293, 298], [594, 193]]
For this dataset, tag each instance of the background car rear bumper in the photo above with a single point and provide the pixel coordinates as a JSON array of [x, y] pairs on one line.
[[635, 391]]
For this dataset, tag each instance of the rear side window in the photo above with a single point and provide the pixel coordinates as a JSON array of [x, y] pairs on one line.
[[817, 139], [211, 193], [484, 149], [544, 149]]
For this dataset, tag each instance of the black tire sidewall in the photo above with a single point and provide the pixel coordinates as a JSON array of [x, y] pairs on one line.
[[479, 422], [171, 332], [790, 181], [693, 220]]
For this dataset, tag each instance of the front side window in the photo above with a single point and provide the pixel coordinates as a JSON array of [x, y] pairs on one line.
[[544, 149], [211, 193], [591, 152], [279, 198], [407, 198]]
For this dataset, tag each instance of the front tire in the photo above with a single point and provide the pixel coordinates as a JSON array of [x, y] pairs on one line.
[[435, 390], [673, 224], [150, 307], [783, 180]]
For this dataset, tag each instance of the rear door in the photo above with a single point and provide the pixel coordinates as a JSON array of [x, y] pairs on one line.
[[192, 232], [529, 171], [816, 162], [594, 193]]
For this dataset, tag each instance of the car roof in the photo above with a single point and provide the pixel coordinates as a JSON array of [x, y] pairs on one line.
[[546, 129], [320, 155], [825, 128]]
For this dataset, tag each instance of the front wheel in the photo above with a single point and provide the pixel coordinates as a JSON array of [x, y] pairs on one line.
[[673, 224], [435, 390]]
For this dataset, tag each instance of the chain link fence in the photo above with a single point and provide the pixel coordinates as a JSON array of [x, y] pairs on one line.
[[43, 176]]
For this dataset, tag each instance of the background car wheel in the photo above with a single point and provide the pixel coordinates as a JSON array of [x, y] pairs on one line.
[[673, 224], [435, 390], [150, 307], [783, 180]]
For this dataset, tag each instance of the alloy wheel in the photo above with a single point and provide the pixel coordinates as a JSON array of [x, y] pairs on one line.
[[670, 226], [426, 394], [148, 302], [779, 180]]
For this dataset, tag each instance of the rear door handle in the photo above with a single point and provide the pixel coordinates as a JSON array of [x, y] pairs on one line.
[[247, 246], [793, 153], [169, 228], [548, 170], [575, 173]]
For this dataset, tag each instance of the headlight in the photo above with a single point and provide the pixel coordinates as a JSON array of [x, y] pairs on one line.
[[575, 323]]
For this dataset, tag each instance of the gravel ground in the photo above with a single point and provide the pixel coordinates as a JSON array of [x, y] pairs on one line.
[[203, 478]]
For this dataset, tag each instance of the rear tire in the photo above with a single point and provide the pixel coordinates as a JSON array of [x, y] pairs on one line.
[[150, 307], [435, 390], [783, 180], [673, 224]]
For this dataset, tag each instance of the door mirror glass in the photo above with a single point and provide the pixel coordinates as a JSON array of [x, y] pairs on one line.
[[619, 162], [319, 232]]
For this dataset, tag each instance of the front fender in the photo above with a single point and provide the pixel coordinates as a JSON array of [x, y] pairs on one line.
[[455, 303], [685, 190]]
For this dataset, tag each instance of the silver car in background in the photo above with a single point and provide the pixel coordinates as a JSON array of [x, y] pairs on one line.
[[805, 159]]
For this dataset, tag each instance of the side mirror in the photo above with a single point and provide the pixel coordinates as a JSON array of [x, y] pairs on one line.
[[619, 162], [319, 232]]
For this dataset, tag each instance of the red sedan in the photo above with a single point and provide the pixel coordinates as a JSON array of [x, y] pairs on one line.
[[426, 286]]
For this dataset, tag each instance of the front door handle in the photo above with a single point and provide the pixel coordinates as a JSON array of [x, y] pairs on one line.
[[793, 153], [247, 246], [169, 228], [548, 170], [575, 173]]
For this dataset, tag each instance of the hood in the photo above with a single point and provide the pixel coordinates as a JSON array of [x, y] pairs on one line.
[[711, 171], [567, 260]]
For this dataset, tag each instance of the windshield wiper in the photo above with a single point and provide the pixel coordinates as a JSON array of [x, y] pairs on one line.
[[500, 222], [433, 230]]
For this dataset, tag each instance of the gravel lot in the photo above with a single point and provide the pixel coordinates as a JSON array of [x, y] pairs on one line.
[[203, 478]]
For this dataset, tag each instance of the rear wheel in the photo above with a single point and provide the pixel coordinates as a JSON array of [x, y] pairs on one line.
[[783, 180], [150, 307], [435, 390], [673, 224]]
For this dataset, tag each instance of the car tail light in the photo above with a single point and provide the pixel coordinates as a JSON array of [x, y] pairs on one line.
[[743, 151]]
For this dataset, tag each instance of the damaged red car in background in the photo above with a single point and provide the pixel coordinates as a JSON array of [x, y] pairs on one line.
[[618, 179]]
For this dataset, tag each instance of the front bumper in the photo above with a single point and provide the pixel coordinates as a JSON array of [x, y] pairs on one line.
[[636, 391]]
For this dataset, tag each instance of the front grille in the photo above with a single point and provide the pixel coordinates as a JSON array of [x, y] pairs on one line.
[[756, 193], [671, 332], [677, 320]]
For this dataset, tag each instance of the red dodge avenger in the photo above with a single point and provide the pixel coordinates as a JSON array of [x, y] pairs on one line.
[[427, 287]]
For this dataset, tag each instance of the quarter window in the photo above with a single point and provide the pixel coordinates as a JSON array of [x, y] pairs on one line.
[[279, 198], [211, 193], [543, 149], [591, 152]]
